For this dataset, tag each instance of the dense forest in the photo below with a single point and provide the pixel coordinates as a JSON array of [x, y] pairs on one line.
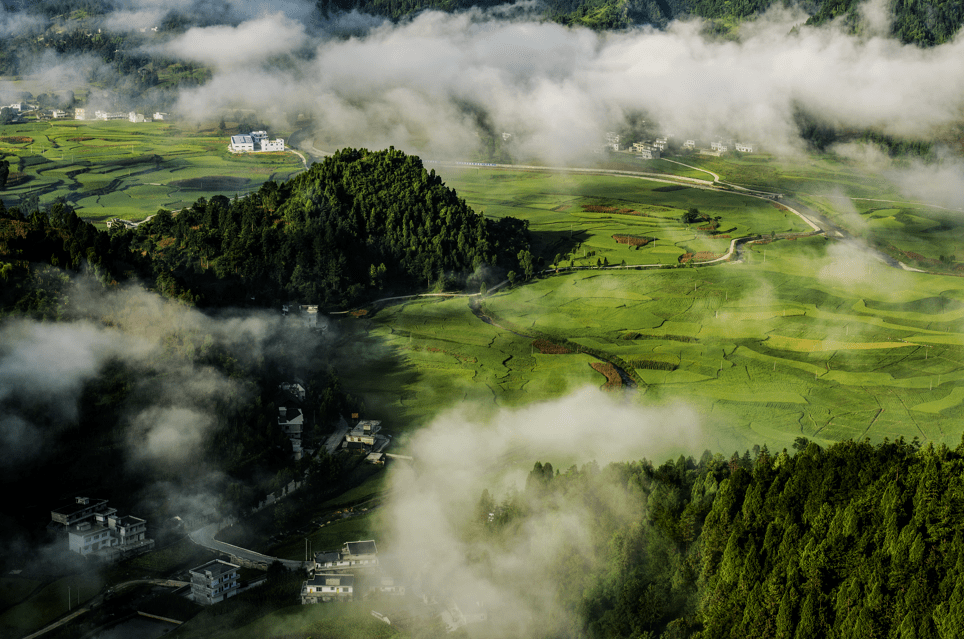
[[924, 22], [854, 540], [358, 224]]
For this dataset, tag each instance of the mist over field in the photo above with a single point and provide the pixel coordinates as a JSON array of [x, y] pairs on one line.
[[458, 456]]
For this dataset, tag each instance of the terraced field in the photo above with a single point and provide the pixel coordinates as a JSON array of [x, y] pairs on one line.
[[579, 217], [119, 169], [808, 337]]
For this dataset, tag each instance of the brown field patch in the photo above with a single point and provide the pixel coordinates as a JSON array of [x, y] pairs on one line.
[[613, 380], [701, 256], [548, 348], [632, 240], [16, 139]]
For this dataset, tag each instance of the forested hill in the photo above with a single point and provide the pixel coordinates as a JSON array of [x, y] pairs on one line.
[[853, 540], [357, 225], [924, 22]]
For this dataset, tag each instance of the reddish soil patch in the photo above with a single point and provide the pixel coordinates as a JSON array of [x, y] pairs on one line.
[[632, 240], [702, 256], [548, 348], [613, 380], [78, 139], [717, 237], [362, 312], [16, 139]]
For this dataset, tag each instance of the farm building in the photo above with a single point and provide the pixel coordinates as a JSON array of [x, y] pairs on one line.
[[745, 147]]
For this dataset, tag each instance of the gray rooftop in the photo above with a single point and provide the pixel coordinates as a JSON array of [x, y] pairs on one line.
[[360, 547], [216, 568], [333, 579]]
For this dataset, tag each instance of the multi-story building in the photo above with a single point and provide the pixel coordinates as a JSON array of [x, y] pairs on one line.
[[94, 528], [213, 582], [82, 509], [328, 587], [256, 141]]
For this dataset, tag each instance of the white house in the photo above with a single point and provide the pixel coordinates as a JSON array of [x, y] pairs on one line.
[[328, 587], [719, 146], [242, 143], [744, 147], [363, 434], [87, 537], [80, 114], [612, 140], [648, 153], [256, 141], [95, 528], [58, 113], [159, 115], [689, 144], [213, 582], [661, 144]]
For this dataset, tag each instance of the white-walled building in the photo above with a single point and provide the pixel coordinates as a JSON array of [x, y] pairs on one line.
[[93, 527], [745, 147], [87, 537], [256, 142], [80, 114], [328, 587], [213, 582], [689, 144]]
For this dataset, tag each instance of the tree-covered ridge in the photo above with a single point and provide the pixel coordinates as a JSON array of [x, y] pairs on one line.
[[353, 225], [924, 22], [851, 540]]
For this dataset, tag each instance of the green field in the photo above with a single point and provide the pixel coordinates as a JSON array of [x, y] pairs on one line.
[[807, 337], [120, 169], [588, 210]]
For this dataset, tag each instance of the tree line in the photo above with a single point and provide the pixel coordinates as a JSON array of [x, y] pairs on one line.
[[853, 539]]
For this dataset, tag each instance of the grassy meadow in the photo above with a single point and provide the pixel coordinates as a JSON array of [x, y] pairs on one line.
[[126, 170], [580, 216], [804, 337]]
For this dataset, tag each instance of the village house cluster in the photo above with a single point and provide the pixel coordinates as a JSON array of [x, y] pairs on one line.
[[332, 573], [95, 529], [131, 116]]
